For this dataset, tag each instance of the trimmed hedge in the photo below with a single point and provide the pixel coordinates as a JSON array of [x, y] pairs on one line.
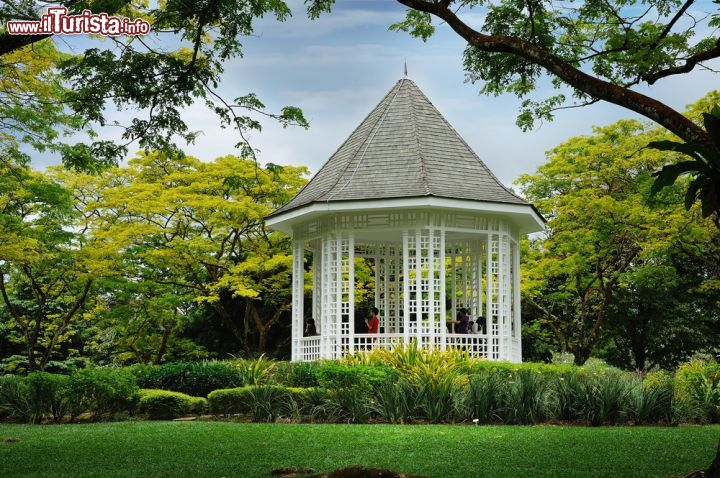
[[197, 379], [262, 401], [167, 405]]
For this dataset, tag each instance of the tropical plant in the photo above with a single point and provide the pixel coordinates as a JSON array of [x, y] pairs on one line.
[[703, 167]]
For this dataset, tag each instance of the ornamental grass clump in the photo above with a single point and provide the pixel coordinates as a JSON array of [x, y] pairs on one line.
[[395, 401], [256, 371], [524, 398], [438, 389], [651, 402], [482, 398]]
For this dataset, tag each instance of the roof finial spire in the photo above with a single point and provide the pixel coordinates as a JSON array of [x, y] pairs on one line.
[[405, 67]]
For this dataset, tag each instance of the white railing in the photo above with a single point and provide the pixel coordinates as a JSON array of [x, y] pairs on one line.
[[476, 345], [310, 348]]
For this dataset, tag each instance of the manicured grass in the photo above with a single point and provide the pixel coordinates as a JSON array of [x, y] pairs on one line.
[[215, 449]]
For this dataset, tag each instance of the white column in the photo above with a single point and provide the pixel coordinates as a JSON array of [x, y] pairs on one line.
[[406, 288], [489, 297], [317, 288], [298, 292], [516, 297], [441, 319]]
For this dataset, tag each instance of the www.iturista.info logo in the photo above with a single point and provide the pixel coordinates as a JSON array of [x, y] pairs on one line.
[[56, 21]]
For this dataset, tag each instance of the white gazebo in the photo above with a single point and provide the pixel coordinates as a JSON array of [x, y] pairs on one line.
[[406, 192]]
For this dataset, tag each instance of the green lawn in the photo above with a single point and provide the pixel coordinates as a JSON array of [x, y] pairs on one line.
[[215, 449]]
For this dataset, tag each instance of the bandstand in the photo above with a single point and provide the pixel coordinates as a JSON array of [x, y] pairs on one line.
[[406, 192]]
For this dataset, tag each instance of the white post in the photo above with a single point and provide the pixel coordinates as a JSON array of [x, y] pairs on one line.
[[351, 291], [516, 296], [489, 298], [406, 289], [441, 319], [298, 291]]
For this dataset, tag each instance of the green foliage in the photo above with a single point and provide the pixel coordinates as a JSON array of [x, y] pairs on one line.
[[47, 93], [15, 400], [704, 167], [191, 378], [101, 392], [304, 374], [264, 402], [592, 51], [334, 376], [255, 371], [697, 386], [617, 267], [166, 405], [229, 401]]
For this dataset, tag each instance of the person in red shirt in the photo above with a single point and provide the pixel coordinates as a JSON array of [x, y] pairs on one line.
[[373, 324]]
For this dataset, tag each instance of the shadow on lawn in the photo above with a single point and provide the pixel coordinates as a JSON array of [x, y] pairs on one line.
[[349, 472]]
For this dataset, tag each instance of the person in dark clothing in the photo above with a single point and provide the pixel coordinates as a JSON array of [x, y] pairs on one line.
[[462, 322], [310, 327]]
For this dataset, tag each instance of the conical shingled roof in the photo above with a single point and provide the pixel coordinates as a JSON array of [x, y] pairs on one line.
[[404, 148]]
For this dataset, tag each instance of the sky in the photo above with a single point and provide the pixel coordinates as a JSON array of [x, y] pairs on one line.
[[337, 68]]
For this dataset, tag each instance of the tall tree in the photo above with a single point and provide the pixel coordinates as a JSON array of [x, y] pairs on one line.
[[198, 229], [602, 229], [47, 268]]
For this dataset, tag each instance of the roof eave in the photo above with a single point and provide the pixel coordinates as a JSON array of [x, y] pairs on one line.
[[526, 216]]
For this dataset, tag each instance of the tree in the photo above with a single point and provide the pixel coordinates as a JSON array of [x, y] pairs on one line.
[[599, 50], [604, 231], [179, 63], [194, 232], [47, 269]]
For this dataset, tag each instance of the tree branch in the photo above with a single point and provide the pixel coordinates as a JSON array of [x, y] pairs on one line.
[[595, 87]]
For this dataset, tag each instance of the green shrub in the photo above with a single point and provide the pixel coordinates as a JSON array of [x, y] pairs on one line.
[[651, 401], [229, 401], [303, 374], [697, 389], [32, 398], [266, 402], [15, 400], [48, 394], [102, 392], [192, 378], [166, 405], [333, 376]]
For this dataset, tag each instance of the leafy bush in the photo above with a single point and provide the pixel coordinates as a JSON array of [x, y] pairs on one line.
[[436, 391], [364, 378], [697, 389], [264, 402], [651, 401], [15, 400], [192, 378], [102, 392], [48, 394], [303, 374], [166, 405], [229, 401]]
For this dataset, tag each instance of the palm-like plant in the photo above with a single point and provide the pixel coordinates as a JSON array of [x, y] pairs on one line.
[[704, 167]]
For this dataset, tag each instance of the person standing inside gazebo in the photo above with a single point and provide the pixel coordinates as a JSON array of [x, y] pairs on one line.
[[373, 324]]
